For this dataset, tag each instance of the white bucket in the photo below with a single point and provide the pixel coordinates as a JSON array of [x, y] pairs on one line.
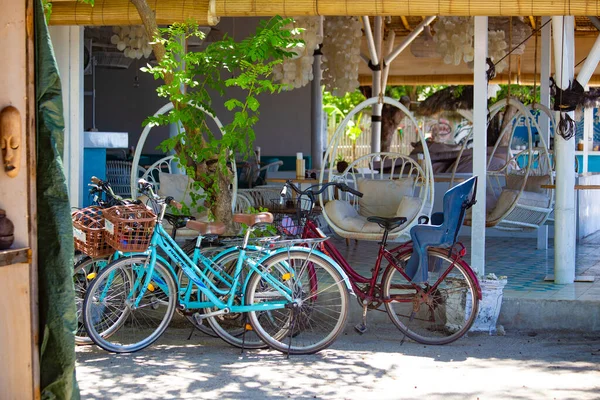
[[489, 306]]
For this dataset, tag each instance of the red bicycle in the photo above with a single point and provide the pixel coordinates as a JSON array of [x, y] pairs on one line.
[[436, 309]]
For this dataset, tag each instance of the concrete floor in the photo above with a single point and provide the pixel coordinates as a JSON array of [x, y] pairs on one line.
[[520, 365]]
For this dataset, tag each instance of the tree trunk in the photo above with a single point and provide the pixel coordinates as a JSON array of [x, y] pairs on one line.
[[391, 118]]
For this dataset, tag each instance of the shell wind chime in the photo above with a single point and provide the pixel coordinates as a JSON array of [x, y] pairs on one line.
[[297, 71], [132, 41], [341, 54]]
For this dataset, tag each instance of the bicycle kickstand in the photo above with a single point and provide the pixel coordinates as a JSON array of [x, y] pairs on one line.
[[362, 327]]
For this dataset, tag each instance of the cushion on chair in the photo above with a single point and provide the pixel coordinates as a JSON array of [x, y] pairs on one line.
[[177, 186], [533, 183], [344, 216], [409, 208], [381, 197]]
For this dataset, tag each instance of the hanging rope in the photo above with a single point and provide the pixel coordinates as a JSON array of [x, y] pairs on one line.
[[535, 52], [566, 126], [534, 32]]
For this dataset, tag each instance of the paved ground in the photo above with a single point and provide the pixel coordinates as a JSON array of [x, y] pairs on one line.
[[523, 365]]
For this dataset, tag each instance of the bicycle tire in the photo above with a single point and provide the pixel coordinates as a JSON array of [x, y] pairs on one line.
[[321, 297], [445, 313], [162, 295], [232, 328], [84, 272]]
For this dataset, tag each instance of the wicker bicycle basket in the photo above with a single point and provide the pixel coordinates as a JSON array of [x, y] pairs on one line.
[[88, 232], [129, 228]]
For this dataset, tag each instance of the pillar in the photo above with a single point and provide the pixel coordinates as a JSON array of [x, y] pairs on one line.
[[544, 122], [68, 48], [564, 154], [479, 143]]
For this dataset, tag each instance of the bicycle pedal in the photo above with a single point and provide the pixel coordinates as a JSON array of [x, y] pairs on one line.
[[361, 328], [198, 318]]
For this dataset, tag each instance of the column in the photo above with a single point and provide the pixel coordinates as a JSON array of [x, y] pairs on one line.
[[316, 114], [544, 122], [68, 49], [479, 143], [564, 154]]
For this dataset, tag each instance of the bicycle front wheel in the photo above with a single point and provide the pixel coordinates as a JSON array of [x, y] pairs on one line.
[[317, 314], [435, 312], [114, 319]]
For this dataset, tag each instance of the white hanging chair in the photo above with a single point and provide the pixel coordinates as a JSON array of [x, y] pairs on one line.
[[393, 184], [515, 200], [167, 164]]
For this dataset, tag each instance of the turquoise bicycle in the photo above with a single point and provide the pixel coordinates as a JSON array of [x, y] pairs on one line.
[[293, 297]]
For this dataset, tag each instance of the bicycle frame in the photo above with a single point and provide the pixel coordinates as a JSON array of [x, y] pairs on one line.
[[312, 231]]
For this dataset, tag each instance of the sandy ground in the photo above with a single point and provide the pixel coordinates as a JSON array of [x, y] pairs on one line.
[[520, 365]]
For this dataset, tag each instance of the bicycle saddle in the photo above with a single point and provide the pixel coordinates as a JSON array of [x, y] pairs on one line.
[[206, 228], [253, 219], [178, 221], [389, 224]]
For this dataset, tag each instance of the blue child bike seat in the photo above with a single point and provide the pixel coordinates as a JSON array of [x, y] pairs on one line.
[[443, 230]]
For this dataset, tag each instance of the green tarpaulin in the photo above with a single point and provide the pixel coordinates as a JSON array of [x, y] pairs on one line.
[[58, 319]]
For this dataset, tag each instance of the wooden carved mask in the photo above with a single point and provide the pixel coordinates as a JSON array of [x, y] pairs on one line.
[[10, 140]]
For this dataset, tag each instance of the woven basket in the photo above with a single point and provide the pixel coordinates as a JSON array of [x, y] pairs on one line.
[[88, 232], [129, 228]]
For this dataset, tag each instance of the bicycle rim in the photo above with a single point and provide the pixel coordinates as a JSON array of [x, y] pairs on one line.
[[113, 320], [234, 328], [319, 309], [83, 273], [444, 311]]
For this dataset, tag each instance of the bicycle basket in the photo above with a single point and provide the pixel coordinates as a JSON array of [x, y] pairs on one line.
[[88, 232], [290, 217], [129, 228]]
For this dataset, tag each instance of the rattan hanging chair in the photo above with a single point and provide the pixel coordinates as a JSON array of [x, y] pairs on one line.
[[515, 199], [393, 184], [168, 164]]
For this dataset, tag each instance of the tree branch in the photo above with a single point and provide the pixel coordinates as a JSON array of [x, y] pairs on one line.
[[149, 20]]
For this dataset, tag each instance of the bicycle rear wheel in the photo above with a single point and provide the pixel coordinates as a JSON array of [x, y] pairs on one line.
[[319, 309], [442, 310], [113, 320], [234, 328]]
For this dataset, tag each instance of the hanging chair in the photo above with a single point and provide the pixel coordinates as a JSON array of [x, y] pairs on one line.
[[515, 200], [167, 168], [393, 184]]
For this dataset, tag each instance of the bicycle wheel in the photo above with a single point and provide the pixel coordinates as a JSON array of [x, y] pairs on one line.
[[319, 309], [113, 320], [442, 309], [183, 282], [234, 328], [85, 270]]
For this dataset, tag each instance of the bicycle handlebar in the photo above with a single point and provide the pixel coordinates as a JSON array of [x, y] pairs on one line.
[[312, 192]]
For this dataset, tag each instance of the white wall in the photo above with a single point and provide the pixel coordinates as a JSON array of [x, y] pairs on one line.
[[283, 128]]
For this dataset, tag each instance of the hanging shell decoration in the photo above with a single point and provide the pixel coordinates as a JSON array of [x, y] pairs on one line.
[[454, 39], [341, 54], [132, 41], [298, 71]]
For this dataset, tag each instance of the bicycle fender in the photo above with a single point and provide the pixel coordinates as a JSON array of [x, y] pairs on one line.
[[324, 256]]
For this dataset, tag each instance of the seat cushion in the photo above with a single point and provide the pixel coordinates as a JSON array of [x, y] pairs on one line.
[[381, 197], [533, 184], [177, 186], [409, 208], [344, 216]]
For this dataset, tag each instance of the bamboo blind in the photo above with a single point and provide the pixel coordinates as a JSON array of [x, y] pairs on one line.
[[242, 8], [456, 79], [123, 12]]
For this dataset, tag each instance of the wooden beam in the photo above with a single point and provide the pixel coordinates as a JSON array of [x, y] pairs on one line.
[[459, 79], [405, 23]]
